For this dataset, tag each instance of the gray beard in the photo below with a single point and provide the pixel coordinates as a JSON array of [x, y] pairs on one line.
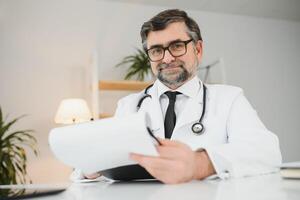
[[176, 82]]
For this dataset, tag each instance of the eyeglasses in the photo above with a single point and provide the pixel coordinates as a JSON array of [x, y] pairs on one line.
[[176, 49]]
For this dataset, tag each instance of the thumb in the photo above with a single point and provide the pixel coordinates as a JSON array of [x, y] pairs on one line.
[[168, 142]]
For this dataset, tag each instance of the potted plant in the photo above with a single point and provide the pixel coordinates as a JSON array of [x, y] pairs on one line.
[[13, 168], [138, 66]]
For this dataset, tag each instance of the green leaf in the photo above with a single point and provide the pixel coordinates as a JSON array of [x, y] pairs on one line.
[[1, 117], [138, 65], [5, 127], [13, 158]]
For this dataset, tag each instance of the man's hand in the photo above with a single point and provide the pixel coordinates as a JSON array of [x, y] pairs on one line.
[[176, 163], [92, 176]]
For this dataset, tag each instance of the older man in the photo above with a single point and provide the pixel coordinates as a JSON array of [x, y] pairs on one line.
[[208, 129]]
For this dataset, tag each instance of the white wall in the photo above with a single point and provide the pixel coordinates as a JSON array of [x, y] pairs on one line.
[[45, 47]]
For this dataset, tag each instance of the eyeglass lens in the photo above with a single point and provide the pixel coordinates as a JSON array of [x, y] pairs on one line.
[[176, 49]]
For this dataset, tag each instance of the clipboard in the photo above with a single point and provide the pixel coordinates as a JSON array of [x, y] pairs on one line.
[[127, 173]]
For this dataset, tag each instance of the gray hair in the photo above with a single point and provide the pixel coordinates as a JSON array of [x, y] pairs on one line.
[[164, 18]]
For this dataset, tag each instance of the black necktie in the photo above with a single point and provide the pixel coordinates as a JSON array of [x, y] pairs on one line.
[[170, 118]]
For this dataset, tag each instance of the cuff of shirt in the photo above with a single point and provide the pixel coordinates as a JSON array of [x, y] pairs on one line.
[[76, 175], [220, 164]]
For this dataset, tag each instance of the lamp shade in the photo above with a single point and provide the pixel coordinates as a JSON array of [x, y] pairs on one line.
[[72, 111]]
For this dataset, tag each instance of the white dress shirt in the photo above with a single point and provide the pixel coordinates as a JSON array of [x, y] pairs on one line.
[[188, 90]]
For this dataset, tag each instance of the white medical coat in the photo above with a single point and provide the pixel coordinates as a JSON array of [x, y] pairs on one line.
[[235, 139]]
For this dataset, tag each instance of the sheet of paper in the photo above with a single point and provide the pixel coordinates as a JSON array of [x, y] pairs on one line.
[[102, 144]]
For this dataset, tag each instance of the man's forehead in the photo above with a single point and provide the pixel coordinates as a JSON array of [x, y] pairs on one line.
[[174, 31]]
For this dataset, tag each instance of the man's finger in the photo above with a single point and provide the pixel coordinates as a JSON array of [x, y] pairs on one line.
[[169, 152], [168, 142], [151, 162]]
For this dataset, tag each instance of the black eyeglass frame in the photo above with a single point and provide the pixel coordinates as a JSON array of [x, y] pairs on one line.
[[167, 48]]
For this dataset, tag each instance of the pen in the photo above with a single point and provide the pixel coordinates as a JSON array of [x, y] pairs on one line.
[[151, 134]]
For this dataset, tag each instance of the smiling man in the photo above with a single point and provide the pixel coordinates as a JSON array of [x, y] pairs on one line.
[[174, 55], [208, 130]]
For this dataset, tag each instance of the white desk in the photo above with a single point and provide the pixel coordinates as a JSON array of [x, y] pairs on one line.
[[260, 187]]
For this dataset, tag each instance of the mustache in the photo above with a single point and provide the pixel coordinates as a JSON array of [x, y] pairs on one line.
[[172, 64]]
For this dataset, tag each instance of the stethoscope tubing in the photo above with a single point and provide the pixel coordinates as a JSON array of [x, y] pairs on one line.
[[197, 127]]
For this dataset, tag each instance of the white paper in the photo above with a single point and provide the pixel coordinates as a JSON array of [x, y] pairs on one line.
[[102, 144]]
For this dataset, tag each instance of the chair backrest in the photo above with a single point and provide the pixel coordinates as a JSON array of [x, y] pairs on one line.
[[213, 73]]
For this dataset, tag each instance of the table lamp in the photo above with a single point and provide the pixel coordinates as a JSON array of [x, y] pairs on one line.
[[71, 111]]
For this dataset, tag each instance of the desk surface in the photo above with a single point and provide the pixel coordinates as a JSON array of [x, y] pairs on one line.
[[260, 187]]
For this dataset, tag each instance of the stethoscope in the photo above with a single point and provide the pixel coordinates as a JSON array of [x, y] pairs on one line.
[[197, 127]]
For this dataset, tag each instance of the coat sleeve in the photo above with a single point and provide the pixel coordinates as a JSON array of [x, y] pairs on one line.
[[251, 149]]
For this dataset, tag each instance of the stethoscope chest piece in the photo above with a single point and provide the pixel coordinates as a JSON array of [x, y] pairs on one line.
[[198, 128]]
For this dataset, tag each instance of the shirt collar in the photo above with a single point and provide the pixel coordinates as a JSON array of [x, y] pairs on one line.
[[190, 88]]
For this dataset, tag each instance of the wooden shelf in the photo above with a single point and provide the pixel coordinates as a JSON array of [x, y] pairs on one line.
[[123, 85], [110, 85], [105, 115]]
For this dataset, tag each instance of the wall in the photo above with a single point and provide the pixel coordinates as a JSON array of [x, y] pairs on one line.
[[45, 47]]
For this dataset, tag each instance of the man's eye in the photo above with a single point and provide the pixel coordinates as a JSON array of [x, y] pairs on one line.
[[177, 46], [156, 51]]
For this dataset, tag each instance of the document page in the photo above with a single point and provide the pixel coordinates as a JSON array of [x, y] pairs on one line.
[[102, 144]]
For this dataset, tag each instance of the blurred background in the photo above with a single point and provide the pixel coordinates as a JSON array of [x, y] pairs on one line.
[[46, 47]]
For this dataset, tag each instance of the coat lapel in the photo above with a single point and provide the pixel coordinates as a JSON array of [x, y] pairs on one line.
[[191, 112], [153, 109]]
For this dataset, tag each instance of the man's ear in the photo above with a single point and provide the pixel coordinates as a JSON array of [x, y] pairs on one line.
[[199, 49]]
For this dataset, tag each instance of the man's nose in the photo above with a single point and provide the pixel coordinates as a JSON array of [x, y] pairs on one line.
[[168, 58]]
